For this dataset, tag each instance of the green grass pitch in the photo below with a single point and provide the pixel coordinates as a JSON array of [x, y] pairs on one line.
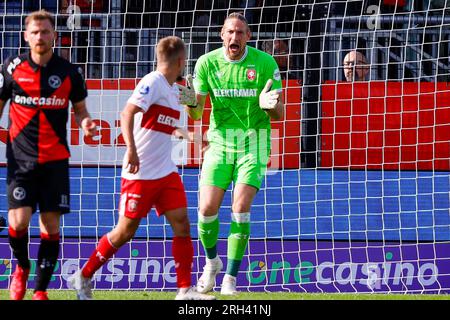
[[170, 295]]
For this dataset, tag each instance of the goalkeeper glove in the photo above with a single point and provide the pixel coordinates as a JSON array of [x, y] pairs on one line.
[[187, 93], [268, 99]]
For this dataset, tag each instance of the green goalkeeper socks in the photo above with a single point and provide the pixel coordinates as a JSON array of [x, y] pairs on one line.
[[237, 241], [208, 231]]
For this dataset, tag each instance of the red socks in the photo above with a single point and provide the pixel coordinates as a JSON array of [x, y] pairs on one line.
[[183, 254], [104, 251], [17, 233]]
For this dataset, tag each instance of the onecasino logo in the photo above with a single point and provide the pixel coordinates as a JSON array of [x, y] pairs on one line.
[[42, 101], [372, 275]]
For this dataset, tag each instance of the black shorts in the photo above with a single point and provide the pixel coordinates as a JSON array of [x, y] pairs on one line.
[[31, 184]]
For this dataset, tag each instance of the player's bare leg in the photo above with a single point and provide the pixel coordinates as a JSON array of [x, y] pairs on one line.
[[19, 220], [183, 253], [211, 198], [243, 196], [106, 248]]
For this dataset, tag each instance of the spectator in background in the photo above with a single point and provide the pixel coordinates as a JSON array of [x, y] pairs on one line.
[[279, 49], [356, 67]]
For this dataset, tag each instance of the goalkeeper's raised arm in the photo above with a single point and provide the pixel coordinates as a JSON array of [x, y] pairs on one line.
[[244, 86]]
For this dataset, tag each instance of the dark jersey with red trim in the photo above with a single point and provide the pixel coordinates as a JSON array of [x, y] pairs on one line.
[[39, 106]]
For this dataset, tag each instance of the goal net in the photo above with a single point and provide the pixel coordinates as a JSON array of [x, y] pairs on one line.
[[356, 198]]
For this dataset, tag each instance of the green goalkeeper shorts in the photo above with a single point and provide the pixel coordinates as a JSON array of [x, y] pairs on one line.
[[221, 167]]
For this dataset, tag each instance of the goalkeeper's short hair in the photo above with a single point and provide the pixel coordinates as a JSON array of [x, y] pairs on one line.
[[237, 15]]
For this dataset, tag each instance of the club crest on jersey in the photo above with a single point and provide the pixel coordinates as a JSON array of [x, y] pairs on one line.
[[132, 205], [251, 74], [54, 81]]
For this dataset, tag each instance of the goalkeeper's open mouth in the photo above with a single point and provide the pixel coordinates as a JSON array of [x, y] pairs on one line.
[[234, 48]]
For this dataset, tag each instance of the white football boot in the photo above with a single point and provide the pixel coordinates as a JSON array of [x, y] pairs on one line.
[[208, 279], [82, 285], [192, 294], [228, 286]]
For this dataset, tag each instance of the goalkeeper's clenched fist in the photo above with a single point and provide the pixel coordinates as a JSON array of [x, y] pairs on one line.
[[187, 93]]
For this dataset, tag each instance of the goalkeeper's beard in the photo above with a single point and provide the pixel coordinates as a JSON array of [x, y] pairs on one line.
[[235, 54]]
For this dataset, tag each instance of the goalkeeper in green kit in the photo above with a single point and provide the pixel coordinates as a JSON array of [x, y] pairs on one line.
[[244, 85]]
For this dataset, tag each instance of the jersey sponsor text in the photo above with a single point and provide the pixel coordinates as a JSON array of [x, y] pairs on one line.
[[235, 93], [167, 120], [51, 101]]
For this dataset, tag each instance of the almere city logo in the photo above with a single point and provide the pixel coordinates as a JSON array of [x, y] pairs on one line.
[[138, 270]]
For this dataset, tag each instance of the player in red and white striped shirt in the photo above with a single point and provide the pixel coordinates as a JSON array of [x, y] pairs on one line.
[[149, 176]]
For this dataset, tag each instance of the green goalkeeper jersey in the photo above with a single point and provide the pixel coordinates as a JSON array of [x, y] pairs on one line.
[[234, 88]]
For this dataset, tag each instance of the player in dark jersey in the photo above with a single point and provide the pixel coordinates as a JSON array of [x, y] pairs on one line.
[[39, 85]]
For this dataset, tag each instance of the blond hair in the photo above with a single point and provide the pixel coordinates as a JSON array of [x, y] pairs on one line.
[[40, 15], [169, 48]]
